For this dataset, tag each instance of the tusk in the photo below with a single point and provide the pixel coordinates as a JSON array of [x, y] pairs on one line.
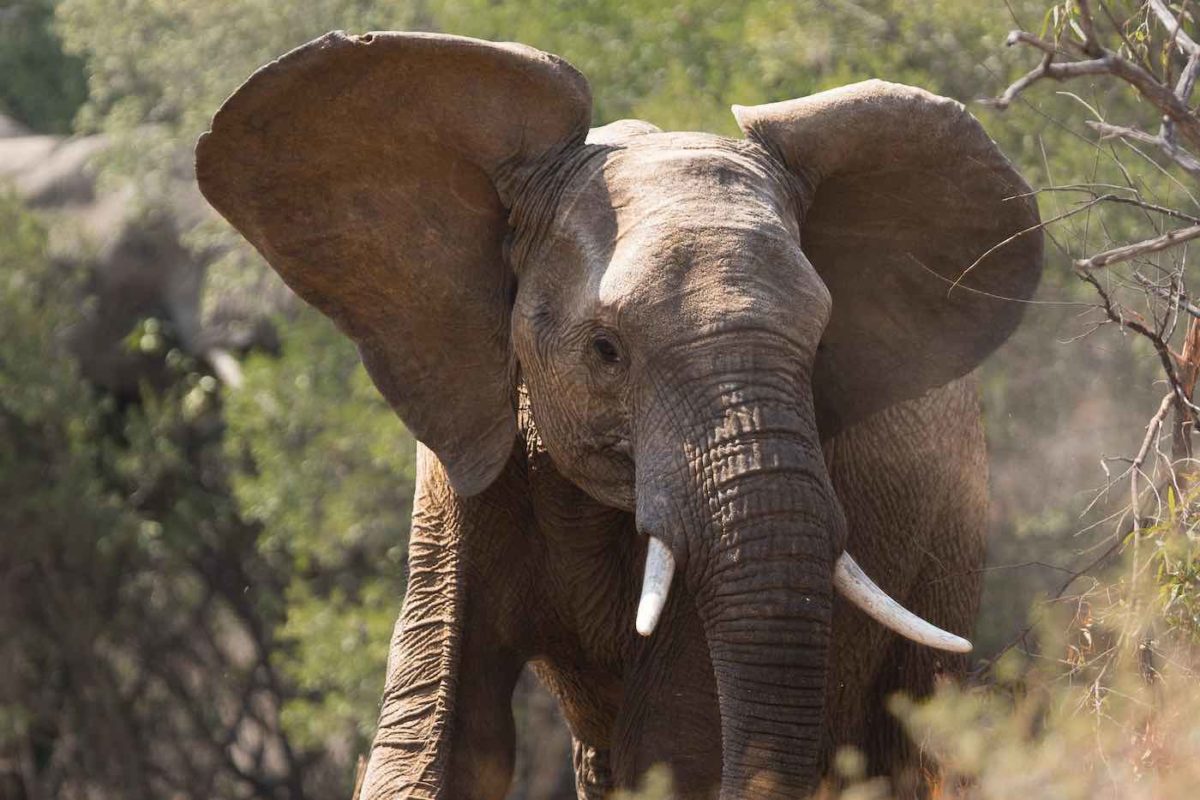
[[656, 584], [226, 366], [860, 590]]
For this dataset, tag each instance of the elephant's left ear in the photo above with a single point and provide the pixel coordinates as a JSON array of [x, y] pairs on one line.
[[924, 233]]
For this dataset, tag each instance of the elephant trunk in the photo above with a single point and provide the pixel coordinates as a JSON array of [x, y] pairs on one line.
[[756, 529], [765, 604]]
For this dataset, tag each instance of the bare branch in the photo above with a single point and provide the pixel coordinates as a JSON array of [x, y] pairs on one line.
[[1178, 298], [1024, 82], [1174, 26], [1187, 78], [1152, 429], [1102, 61], [1164, 141], [1165, 356], [1108, 131], [1021, 37], [1170, 212], [1130, 251]]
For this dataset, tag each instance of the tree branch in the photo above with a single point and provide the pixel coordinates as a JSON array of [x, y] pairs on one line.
[[1174, 26], [1179, 299], [1131, 251], [1164, 141], [1101, 61]]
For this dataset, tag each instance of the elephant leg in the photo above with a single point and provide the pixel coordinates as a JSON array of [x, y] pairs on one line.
[[586, 698], [951, 602], [446, 728], [947, 593], [593, 775], [913, 482]]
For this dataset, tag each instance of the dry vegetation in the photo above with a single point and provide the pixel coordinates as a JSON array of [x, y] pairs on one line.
[[1100, 696]]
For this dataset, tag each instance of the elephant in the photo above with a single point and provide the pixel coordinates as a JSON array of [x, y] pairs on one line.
[[676, 394], [136, 265]]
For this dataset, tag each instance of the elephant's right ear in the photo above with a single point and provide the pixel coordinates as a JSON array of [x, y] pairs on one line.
[[373, 173]]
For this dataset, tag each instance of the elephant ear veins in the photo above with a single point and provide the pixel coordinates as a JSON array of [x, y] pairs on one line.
[[925, 234], [371, 173]]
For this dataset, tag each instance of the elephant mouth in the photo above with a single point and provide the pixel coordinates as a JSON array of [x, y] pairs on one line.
[[619, 445], [604, 469], [848, 578]]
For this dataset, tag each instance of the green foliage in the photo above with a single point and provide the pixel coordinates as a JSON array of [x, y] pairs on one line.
[[1173, 564], [111, 526], [679, 64], [326, 470], [39, 85], [170, 65]]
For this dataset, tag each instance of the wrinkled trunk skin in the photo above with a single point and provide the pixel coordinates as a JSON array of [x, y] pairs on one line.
[[756, 527], [766, 607]]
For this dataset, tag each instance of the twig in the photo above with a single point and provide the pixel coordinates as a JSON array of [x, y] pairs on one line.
[[1178, 298], [1116, 198], [1165, 357], [984, 666], [1187, 78], [1152, 428], [1131, 251], [1170, 212], [1164, 140], [1021, 37], [360, 771]]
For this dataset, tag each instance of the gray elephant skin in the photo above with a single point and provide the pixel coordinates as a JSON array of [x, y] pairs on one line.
[[135, 263], [670, 388]]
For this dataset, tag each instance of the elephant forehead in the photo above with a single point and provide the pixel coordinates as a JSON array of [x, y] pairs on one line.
[[681, 231], [669, 181], [689, 176], [695, 217], [680, 271]]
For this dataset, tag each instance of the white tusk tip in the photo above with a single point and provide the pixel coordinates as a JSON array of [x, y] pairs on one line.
[[855, 586], [956, 644], [649, 610], [656, 585]]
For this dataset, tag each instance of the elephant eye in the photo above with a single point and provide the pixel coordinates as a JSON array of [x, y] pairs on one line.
[[606, 348]]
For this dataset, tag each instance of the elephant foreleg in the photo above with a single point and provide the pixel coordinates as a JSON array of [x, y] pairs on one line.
[[913, 482], [593, 776], [913, 670], [446, 727]]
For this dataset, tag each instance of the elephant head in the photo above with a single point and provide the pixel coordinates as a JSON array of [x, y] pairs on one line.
[[137, 265], [691, 315]]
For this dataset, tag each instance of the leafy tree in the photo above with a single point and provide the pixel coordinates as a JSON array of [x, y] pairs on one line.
[[326, 470], [136, 626], [41, 86]]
